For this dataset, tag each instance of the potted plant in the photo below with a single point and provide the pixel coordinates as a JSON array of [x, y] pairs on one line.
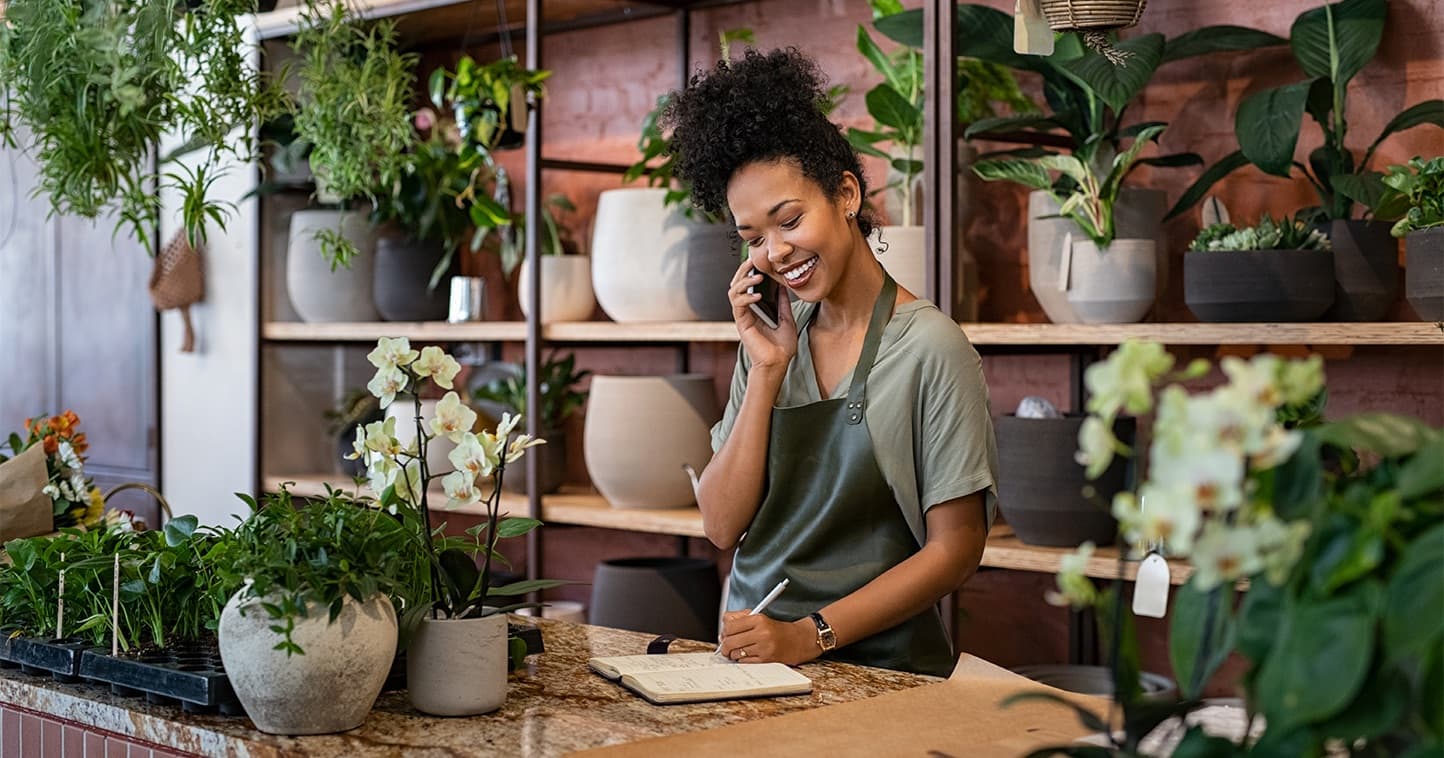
[[352, 109], [484, 99], [457, 658], [1331, 43], [1421, 185], [560, 399], [357, 407], [309, 638], [1273, 271], [566, 273], [1106, 279], [98, 91], [1336, 526]]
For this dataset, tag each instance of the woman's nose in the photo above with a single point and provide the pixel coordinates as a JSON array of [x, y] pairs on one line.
[[778, 251]]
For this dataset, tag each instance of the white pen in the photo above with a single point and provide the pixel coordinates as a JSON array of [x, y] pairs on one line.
[[766, 601]]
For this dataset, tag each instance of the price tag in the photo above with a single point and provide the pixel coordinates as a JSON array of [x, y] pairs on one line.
[[1031, 33], [1150, 592]]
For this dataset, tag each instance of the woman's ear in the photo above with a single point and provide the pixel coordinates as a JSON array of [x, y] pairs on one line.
[[849, 194]]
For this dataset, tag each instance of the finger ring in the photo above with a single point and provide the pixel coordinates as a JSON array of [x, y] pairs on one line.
[[741, 654]]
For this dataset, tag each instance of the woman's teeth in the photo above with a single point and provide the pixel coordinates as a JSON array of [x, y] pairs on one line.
[[797, 271]]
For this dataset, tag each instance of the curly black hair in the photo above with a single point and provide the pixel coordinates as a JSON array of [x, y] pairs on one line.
[[766, 106]]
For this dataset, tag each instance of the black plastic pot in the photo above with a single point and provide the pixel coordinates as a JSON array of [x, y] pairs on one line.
[[1258, 285], [59, 658], [192, 676], [400, 288], [658, 595], [1366, 270], [1040, 484], [551, 465], [1424, 273]]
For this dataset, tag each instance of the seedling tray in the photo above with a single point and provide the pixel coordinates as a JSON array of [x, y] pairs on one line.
[[59, 658], [191, 675]]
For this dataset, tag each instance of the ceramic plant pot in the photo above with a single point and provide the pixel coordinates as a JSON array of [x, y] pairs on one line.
[[1137, 215], [903, 257], [1424, 275], [1366, 270], [317, 293], [402, 288], [331, 687], [1114, 285], [1258, 285], [652, 263], [566, 288], [639, 432], [678, 596], [457, 667], [1040, 485], [551, 465]]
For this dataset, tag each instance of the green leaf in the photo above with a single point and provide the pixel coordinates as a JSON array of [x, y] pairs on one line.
[[516, 652], [1123, 161], [1349, 552], [1192, 664], [437, 87], [1087, 718], [1195, 192], [1414, 605], [907, 167], [1423, 473], [1267, 126], [877, 58], [1380, 705], [1340, 46], [1369, 189], [525, 586], [1259, 620], [516, 527], [1066, 165], [1217, 39], [178, 530], [1319, 665], [1427, 112], [1025, 172], [885, 8], [1116, 84], [460, 571], [983, 127], [1197, 743], [889, 108], [1386, 434], [1172, 160]]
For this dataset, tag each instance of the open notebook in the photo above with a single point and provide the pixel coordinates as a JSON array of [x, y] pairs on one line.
[[699, 677]]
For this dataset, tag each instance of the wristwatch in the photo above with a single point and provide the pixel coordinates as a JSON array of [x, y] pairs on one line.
[[825, 637]]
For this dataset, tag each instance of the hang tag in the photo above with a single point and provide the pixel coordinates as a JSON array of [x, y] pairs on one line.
[[1065, 262], [1031, 33], [1214, 211], [1150, 592]]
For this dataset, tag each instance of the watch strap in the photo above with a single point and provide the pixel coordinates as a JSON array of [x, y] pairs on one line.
[[826, 638]]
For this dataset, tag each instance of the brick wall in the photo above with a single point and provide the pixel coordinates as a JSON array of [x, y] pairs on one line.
[[25, 734]]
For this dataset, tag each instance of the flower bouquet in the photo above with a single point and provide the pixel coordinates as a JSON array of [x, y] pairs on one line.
[[75, 500]]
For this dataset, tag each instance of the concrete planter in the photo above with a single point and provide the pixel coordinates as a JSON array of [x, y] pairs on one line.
[[1138, 215], [566, 288], [1258, 285], [1366, 270], [403, 277], [331, 687], [1424, 275], [904, 257], [658, 595], [317, 293], [1113, 285], [457, 667], [639, 432], [1040, 485]]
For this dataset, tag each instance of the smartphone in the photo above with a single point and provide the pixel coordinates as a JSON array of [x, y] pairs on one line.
[[766, 308]]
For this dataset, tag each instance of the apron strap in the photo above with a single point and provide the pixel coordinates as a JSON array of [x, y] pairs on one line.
[[881, 312]]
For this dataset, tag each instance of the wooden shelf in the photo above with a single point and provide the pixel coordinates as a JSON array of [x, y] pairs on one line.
[[581, 507], [1377, 333]]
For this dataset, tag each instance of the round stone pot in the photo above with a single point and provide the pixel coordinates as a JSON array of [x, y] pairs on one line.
[[1040, 484], [1114, 285], [1366, 270], [1096, 680], [651, 263], [551, 465], [317, 293], [402, 290], [457, 667], [1424, 276], [903, 258], [677, 596], [1137, 215], [640, 430], [566, 288], [331, 687], [1258, 285]]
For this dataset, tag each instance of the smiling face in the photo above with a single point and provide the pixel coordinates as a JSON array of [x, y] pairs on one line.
[[795, 232]]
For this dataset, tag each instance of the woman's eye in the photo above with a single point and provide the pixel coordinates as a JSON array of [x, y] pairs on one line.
[[792, 224]]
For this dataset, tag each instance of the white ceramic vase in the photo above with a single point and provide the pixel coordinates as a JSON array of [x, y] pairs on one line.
[[1114, 285], [1137, 215], [457, 667], [317, 293], [639, 432], [438, 448], [566, 288], [331, 687], [652, 263], [903, 256]]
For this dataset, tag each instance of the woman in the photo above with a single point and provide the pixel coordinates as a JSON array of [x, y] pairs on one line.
[[856, 454]]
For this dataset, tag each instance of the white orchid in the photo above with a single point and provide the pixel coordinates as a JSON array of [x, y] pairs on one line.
[[392, 353], [508, 424], [381, 438], [1256, 378], [461, 490], [1096, 446], [386, 384], [1074, 587], [436, 364], [1124, 381], [68, 457], [1212, 478], [1278, 446], [358, 447], [518, 447], [452, 418], [1158, 515], [1224, 554], [476, 455], [1299, 381]]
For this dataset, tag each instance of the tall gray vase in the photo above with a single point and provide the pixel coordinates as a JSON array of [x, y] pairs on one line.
[[678, 596], [1424, 274], [1366, 270], [403, 274]]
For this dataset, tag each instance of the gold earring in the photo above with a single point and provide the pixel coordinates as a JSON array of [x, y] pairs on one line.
[[851, 215]]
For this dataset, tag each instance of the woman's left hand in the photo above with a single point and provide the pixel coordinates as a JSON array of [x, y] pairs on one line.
[[759, 639]]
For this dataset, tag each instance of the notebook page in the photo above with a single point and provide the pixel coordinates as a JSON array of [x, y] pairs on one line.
[[615, 667], [686, 685]]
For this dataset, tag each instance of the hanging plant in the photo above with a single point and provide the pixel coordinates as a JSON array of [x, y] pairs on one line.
[[94, 86]]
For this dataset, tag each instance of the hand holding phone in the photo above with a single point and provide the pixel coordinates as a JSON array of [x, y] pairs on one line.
[[765, 308]]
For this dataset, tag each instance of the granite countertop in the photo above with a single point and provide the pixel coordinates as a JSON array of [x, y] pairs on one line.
[[555, 706]]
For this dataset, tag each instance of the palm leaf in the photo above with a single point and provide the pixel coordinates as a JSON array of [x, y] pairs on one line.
[[1339, 39], [1267, 125]]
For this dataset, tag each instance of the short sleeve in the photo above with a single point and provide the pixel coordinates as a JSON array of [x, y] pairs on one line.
[[722, 429], [957, 454]]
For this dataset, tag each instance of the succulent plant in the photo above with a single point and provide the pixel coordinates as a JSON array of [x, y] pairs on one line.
[[1285, 234]]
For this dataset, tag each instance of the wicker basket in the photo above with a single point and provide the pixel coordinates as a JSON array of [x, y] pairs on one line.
[[1091, 15]]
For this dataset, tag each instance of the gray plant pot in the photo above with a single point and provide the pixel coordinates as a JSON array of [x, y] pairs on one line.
[[403, 273], [1137, 215], [678, 596], [1424, 274], [1258, 285], [1040, 485], [1366, 270], [1095, 680], [551, 465]]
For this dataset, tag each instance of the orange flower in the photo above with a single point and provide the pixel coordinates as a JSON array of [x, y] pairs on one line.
[[60, 424], [79, 443], [71, 417], [52, 445]]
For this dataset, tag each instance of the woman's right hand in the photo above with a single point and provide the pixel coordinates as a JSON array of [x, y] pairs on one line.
[[766, 347]]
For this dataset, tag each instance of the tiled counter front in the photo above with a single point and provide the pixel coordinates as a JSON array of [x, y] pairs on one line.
[[555, 706]]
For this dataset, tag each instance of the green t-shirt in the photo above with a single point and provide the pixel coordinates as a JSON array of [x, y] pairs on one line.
[[927, 409]]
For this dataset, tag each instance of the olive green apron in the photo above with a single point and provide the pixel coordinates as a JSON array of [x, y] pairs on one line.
[[830, 523]]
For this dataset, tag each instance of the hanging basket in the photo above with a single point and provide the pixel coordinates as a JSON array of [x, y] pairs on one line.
[[1093, 19]]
